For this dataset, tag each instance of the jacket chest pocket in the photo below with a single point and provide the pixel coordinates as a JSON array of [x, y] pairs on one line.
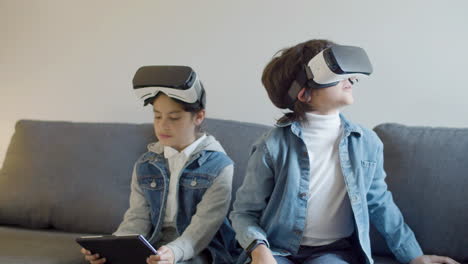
[[195, 181], [368, 165], [151, 183], [367, 170]]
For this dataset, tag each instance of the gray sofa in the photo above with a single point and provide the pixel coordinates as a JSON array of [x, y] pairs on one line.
[[61, 179]]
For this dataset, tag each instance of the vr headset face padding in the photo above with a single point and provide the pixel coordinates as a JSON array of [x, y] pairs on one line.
[[178, 82], [329, 67]]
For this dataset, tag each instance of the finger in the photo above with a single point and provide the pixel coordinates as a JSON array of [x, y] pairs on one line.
[[162, 250], [164, 257], [99, 261], [92, 257], [155, 261], [450, 261], [439, 259], [95, 260], [85, 251], [154, 258]]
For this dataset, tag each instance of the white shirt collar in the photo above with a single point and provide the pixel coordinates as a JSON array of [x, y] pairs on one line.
[[187, 151]]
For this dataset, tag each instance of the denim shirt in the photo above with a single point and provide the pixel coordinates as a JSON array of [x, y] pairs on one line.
[[271, 204], [197, 176]]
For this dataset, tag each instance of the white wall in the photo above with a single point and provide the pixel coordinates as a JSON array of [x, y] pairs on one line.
[[74, 60]]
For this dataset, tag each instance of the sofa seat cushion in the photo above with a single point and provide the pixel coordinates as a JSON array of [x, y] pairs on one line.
[[25, 246]]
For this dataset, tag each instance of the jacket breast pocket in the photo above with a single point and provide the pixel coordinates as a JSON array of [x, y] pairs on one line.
[[367, 170], [195, 181], [151, 182], [368, 164]]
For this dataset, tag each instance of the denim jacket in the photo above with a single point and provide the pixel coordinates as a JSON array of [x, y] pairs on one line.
[[203, 201], [271, 204]]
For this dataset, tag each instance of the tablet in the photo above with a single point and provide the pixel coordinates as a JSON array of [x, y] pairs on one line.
[[127, 249]]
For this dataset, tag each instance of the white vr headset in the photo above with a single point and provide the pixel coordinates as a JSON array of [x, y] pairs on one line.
[[178, 82], [331, 66]]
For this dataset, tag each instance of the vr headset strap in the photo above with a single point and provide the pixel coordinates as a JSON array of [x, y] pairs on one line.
[[298, 83], [304, 78]]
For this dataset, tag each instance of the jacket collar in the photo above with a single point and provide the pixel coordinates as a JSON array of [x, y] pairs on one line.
[[348, 127]]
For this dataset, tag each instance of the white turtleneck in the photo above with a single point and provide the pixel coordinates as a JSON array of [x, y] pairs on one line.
[[329, 214]]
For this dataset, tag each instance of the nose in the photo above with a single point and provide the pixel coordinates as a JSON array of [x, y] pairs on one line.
[[164, 123]]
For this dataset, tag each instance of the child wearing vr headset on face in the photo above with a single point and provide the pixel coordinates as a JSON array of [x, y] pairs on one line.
[[316, 181], [181, 187]]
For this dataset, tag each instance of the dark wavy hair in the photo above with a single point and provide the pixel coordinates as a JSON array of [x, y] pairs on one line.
[[281, 71]]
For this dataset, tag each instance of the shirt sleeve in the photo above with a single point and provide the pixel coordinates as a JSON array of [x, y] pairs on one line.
[[252, 197], [387, 217], [210, 213], [137, 217]]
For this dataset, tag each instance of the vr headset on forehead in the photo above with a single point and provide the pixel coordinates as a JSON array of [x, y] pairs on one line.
[[178, 82], [331, 66]]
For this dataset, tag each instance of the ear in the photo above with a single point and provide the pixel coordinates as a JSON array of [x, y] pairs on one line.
[[303, 96], [199, 117]]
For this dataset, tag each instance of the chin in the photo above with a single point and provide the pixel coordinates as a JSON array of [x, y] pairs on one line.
[[164, 142], [348, 100], [346, 103]]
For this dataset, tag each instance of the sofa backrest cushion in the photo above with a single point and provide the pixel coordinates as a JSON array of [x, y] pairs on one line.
[[427, 173], [76, 176], [237, 139]]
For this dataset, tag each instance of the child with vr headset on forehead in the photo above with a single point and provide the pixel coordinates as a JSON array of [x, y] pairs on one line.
[[315, 182], [181, 187]]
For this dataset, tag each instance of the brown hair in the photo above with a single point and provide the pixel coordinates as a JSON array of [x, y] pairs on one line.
[[281, 71]]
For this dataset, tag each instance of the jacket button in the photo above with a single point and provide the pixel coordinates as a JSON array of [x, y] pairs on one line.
[[354, 198], [303, 195], [153, 184]]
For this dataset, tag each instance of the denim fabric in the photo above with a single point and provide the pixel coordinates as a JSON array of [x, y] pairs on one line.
[[339, 252], [271, 204], [197, 176]]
